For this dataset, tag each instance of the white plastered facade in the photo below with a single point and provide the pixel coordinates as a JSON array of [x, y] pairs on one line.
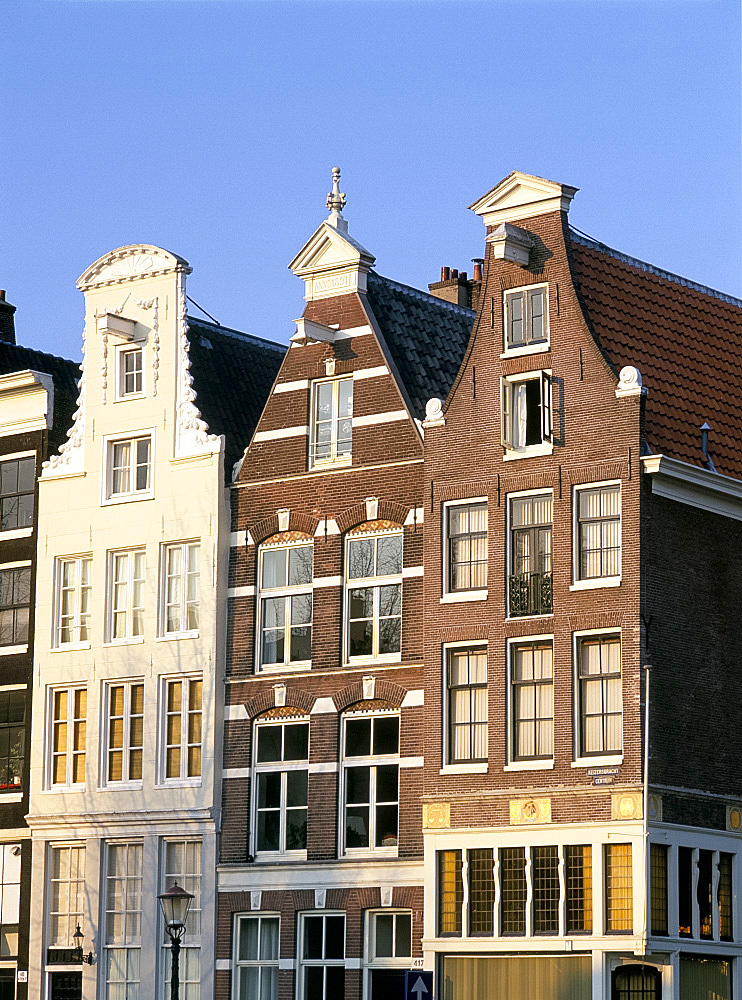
[[134, 298]]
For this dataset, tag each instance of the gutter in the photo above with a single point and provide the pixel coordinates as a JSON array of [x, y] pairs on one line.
[[692, 485]]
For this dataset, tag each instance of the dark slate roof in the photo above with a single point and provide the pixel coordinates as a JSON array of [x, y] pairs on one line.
[[233, 374], [14, 358], [685, 339], [426, 337]]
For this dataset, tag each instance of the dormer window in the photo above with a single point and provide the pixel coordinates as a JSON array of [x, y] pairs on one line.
[[527, 414], [526, 319], [130, 372]]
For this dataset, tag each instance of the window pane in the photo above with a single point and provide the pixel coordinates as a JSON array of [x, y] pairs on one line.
[[300, 565], [386, 734], [357, 737], [296, 741], [274, 568]]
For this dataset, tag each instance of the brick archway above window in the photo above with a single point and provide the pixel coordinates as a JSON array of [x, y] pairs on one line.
[[297, 702], [264, 529], [387, 510], [386, 695]]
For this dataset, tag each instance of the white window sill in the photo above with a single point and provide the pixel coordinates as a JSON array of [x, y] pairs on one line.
[[127, 498], [530, 765], [370, 852], [476, 767], [465, 595], [331, 463], [519, 352], [281, 668], [121, 786], [130, 395], [605, 581], [10, 796], [6, 536], [369, 661], [179, 783], [528, 618], [271, 857], [12, 650], [598, 761], [56, 789], [178, 635], [133, 640], [69, 647], [531, 451]]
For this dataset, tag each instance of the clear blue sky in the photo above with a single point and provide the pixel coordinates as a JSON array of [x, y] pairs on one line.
[[210, 129]]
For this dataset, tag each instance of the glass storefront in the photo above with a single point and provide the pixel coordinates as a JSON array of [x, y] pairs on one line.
[[557, 977]]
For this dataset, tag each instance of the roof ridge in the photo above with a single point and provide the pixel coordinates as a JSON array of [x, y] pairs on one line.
[[425, 296], [229, 331], [45, 354], [590, 241]]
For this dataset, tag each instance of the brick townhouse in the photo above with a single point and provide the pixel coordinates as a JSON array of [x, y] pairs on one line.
[[37, 395], [583, 500], [321, 875]]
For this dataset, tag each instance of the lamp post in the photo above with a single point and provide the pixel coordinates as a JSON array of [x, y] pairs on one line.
[[175, 903], [78, 937]]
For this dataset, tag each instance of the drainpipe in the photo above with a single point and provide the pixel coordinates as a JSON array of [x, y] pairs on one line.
[[645, 808]]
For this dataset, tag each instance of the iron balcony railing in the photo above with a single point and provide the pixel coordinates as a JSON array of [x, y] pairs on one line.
[[530, 594]]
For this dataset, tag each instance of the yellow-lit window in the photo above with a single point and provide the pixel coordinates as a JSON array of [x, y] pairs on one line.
[[450, 892], [618, 888], [183, 727], [69, 712], [125, 732]]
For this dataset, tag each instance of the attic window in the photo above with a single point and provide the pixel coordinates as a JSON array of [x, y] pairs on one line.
[[332, 421], [527, 414], [526, 318]]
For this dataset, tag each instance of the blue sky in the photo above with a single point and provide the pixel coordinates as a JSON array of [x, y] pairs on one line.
[[210, 128]]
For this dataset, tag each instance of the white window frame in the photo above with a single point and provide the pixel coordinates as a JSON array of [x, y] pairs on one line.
[[372, 762], [283, 767], [528, 763], [77, 616], [460, 767], [26, 531], [546, 445], [133, 494], [165, 549], [593, 583], [371, 961], [125, 781], [474, 593], [539, 346], [285, 593], [237, 963], [130, 584], [126, 946], [524, 495], [70, 722], [334, 458], [304, 963], [183, 778], [374, 583], [121, 352], [74, 917], [192, 882], [580, 758]]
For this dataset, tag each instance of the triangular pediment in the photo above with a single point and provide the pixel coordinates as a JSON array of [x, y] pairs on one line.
[[328, 250], [130, 263], [521, 196]]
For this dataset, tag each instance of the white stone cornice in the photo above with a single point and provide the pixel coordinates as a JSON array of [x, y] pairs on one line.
[[130, 263], [26, 402], [692, 485], [522, 196]]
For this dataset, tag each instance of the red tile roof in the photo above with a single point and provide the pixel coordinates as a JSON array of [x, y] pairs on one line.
[[686, 340]]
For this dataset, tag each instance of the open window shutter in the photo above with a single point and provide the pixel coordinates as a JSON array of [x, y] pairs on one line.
[[506, 395], [546, 421]]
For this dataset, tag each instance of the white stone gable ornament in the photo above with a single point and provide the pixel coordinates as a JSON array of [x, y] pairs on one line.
[[336, 202], [630, 382], [434, 413]]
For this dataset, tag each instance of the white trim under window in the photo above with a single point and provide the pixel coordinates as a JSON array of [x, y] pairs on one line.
[[373, 596], [596, 535], [331, 429], [525, 320], [126, 570], [256, 951], [321, 955], [181, 720], [284, 638], [72, 598], [369, 783], [67, 709], [598, 687], [123, 739], [180, 585], [128, 468], [527, 414], [465, 548], [280, 788]]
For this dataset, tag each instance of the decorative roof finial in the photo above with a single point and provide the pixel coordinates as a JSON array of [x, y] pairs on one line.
[[336, 202]]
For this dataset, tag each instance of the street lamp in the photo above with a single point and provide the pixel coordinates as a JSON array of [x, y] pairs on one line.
[[175, 903], [78, 937]]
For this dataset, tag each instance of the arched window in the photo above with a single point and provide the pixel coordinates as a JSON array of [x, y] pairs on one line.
[[285, 601], [637, 982], [373, 599]]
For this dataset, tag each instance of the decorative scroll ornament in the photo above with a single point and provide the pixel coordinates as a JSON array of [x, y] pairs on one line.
[[434, 413], [104, 368], [630, 382], [191, 431], [71, 455], [154, 305]]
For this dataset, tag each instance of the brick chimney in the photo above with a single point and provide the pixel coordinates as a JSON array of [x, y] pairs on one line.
[[456, 286], [7, 324]]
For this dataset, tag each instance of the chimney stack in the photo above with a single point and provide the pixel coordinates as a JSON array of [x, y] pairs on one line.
[[457, 287], [7, 323]]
